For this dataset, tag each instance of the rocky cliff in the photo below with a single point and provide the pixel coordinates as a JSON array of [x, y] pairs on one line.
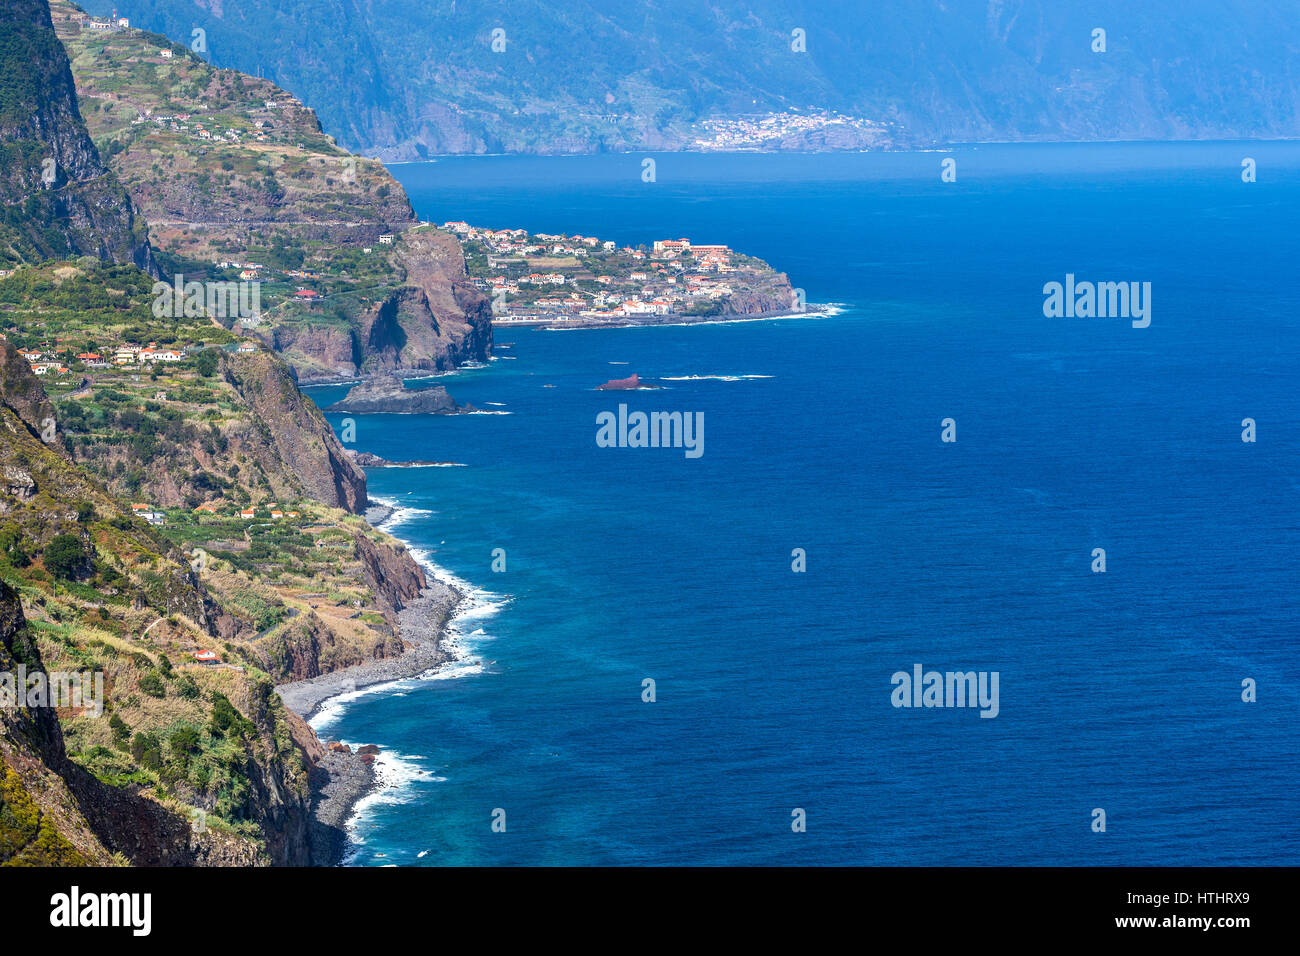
[[287, 434], [151, 610], [778, 296], [41, 822], [56, 196]]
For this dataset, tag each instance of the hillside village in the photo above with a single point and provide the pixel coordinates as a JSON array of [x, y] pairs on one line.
[[57, 359]]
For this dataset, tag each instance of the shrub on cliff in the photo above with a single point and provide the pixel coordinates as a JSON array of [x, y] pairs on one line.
[[152, 684], [206, 362], [184, 742], [225, 719], [147, 751], [186, 687], [121, 732], [65, 556]]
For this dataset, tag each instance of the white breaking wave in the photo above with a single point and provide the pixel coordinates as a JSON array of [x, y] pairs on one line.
[[396, 776], [402, 513], [710, 378], [462, 636]]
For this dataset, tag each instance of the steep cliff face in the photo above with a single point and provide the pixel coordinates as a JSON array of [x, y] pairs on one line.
[[21, 391], [289, 436], [461, 326], [308, 648], [53, 812], [777, 297], [56, 197], [391, 571], [41, 823]]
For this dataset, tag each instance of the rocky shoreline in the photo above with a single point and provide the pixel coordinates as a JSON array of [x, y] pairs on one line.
[[342, 778]]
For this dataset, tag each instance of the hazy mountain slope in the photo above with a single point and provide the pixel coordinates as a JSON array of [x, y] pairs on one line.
[[405, 78]]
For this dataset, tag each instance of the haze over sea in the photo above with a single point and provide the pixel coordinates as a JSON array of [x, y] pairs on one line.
[[1120, 690]]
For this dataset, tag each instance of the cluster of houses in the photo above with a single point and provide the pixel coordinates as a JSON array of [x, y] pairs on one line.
[[772, 129], [676, 273], [707, 258], [43, 363], [38, 365], [208, 131], [148, 513], [155, 517], [539, 278], [519, 242], [138, 355], [100, 24]]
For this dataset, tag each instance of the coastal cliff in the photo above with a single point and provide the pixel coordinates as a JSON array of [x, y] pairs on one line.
[[180, 525], [294, 591], [238, 182], [61, 764], [288, 436]]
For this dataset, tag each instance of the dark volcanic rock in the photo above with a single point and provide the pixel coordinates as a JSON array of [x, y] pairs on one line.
[[388, 394]]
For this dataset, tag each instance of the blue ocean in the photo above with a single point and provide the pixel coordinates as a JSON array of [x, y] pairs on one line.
[[1120, 691]]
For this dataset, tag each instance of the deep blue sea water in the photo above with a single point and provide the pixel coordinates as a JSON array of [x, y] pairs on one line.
[[1119, 691]]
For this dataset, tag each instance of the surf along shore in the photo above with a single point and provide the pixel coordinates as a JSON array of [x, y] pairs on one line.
[[343, 777]]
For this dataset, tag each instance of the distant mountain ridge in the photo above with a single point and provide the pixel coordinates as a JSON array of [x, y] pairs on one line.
[[406, 79]]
